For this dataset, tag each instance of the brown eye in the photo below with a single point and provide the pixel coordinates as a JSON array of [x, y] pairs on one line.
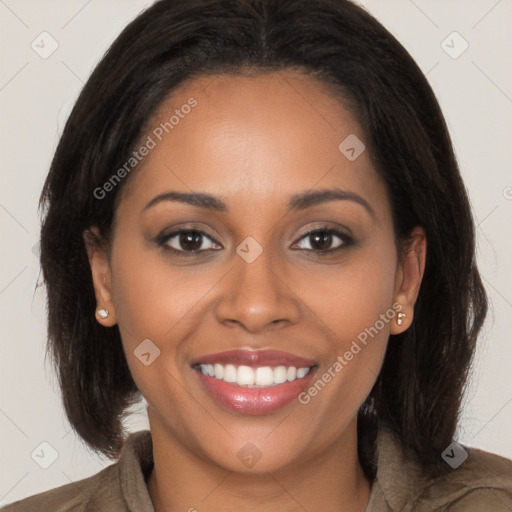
[[188, 241], [322, 240]]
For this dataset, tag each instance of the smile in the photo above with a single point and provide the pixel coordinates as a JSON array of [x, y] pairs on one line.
[[260, 377], [254, 382]]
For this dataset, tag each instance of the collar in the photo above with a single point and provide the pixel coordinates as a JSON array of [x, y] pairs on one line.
[[399, 484], [135, 465]]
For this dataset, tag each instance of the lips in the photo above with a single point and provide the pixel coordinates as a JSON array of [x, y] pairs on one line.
[[255, 358], [251, 399]]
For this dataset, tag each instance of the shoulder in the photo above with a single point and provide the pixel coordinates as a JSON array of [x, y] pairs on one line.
[[476, 481], [482, 482], [112, 489], [81, 496]]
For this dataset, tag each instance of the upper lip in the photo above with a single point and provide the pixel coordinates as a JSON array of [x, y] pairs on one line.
[[255, 358]]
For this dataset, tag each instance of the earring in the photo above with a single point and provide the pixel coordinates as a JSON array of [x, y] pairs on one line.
[[102, 313], [399, 320]]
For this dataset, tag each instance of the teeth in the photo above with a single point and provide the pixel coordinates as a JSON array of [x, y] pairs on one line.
[[229, 373], [302, 372], [291, 374], [219, 371], [280, 374], [245, 376], [262, 376]]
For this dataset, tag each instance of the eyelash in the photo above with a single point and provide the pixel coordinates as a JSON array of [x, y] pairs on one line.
[[162, 241]]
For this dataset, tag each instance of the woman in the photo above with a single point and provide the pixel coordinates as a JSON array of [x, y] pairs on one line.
[[255, 220]]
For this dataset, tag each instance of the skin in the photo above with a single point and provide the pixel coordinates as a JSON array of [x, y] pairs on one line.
[[254, 142]]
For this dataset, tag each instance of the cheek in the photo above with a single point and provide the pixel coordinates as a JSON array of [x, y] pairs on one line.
[[150, 296], [358, 314], [352, 297], [355, 305], [153, 302]]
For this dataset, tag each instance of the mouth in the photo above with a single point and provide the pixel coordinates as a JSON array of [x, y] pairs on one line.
[[253, 377], [254, 382]]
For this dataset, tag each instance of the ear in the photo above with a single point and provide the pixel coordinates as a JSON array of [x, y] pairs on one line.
[[408, 278], [101, 275]]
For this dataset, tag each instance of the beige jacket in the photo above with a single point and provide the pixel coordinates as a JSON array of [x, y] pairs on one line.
[[482, 483]]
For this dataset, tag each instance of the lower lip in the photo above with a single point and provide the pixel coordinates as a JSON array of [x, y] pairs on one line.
[[254, 400]]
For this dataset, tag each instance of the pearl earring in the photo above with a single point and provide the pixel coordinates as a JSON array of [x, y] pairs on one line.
[[399, 320], [102, 313]]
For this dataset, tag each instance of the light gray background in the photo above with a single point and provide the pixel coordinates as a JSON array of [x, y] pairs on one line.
[[36, 95]]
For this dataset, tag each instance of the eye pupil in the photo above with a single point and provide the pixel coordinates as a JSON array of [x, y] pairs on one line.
[[321, 240], [191, 240]]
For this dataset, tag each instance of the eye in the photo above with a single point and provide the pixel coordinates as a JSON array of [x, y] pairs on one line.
[[188, 241], [191, 241], [320, 240]]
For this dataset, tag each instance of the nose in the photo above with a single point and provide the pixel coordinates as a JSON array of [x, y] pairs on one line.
[[257, 296]]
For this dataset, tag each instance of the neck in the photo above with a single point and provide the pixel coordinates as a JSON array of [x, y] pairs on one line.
[[332, 480]]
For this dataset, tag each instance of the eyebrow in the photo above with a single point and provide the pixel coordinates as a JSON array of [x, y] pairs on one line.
[[297, 202]]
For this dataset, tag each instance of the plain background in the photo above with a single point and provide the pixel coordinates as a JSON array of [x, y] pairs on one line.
[[36, 95]]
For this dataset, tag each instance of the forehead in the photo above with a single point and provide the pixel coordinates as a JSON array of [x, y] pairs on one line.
[[254, 138]]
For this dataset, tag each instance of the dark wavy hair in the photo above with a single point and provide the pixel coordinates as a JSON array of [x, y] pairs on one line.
[[418, 391]]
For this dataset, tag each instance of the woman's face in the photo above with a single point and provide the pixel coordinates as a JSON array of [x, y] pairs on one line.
[[245, 274]]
